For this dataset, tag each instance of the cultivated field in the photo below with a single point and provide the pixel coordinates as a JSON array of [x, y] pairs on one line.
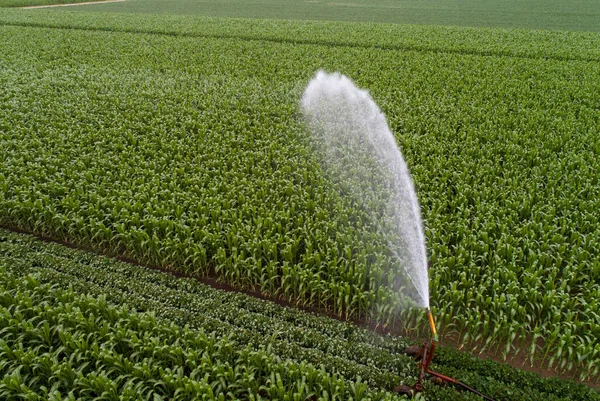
[[76, 322], [177, 141], [573, 15]]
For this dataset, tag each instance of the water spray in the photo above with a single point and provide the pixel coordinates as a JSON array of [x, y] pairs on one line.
[[361, 159], [359, 153]]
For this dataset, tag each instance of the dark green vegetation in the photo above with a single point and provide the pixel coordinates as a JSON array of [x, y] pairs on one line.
[[27, 3], [178, 142], [579, 15], [176, 338]]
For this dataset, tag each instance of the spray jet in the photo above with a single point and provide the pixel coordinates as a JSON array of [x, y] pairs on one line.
[[361, 156], [424, 353]]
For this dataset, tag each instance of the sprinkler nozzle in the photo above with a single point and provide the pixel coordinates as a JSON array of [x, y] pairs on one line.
[[432, 325]]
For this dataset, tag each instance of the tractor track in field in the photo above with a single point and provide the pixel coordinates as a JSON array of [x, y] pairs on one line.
[[289, 41]]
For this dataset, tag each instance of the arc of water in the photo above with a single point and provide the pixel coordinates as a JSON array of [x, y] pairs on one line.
[[358, 143]]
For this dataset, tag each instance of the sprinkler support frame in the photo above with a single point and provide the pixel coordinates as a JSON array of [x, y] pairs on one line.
[[426, 355]]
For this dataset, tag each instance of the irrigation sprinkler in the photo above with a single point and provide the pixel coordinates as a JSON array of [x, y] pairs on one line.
[[424, 353], [354, 141]]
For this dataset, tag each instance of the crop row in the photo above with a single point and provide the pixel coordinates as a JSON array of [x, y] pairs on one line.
[[536, 44], [190, 153], [55, 343], [288, 334]]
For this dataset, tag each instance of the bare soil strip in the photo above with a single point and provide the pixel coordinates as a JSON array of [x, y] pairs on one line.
[[76, 4]]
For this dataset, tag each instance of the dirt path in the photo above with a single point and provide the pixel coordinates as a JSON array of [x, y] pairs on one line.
[[75, 4]]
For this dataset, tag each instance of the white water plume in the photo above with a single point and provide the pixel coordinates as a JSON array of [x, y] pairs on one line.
[[360, 153]]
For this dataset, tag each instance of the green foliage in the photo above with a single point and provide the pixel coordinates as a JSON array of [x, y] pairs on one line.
[[56, 344], [170, 306], [178, 142], [578, 15], [529, 44]]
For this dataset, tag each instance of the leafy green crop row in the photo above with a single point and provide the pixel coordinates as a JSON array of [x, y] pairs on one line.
[[187, 150], [253, 325], [290, 333], [55, 343]]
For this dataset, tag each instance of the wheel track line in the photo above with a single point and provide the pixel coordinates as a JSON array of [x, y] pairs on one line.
[[288, 41]]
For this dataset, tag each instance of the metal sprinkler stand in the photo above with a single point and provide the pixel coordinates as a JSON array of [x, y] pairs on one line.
[[425, 354]]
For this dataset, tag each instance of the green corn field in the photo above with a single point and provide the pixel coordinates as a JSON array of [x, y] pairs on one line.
[[177, 142]]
